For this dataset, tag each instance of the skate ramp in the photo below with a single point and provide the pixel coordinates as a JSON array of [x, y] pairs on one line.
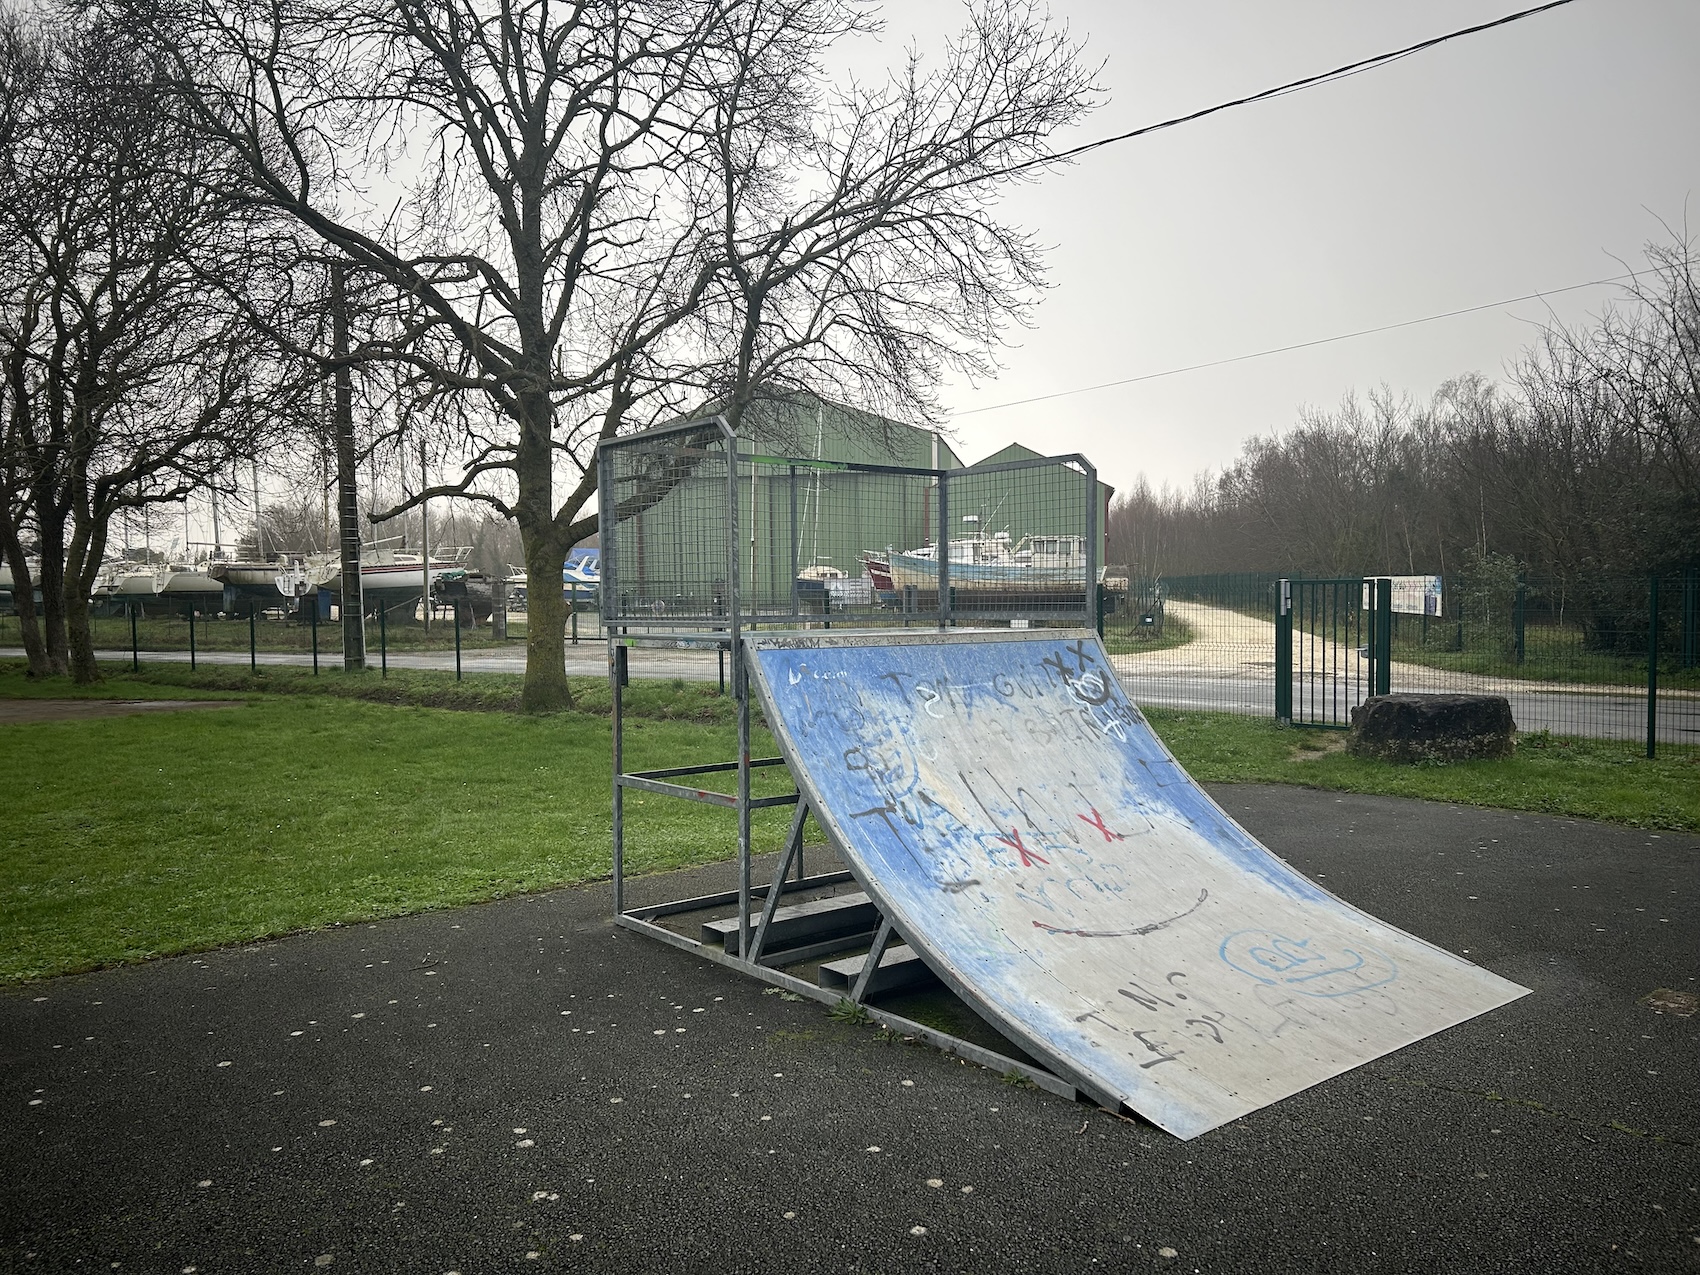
[[1011, 812]]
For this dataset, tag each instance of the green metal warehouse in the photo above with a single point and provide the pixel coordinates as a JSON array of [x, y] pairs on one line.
[[796, 517]]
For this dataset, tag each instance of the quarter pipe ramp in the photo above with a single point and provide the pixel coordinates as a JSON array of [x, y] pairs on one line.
[[1012, 814]]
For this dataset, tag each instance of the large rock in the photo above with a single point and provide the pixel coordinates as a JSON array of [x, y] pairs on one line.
[[1432, 727]]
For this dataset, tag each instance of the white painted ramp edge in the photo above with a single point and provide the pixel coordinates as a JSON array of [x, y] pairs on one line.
[[1013, 814]]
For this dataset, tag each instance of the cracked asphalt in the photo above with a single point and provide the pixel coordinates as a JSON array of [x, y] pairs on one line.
[[519, 1086]]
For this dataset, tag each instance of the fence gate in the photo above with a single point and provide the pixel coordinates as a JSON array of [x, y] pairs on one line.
[[1333, 642]]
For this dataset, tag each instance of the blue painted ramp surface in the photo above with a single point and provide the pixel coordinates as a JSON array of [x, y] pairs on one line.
[[1015, 817]]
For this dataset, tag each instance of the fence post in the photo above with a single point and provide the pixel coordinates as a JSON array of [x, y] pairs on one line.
[[1690, 616], [1284, 651], [135, 647], [1099, 625], [315, 614], [1517, 615], [383, 640], [457, 639], [1652, 666], [253, 643], [191, 638], [1383, 636]]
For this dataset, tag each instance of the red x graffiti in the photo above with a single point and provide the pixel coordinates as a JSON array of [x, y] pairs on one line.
[[1097, 822], [1013, 841]]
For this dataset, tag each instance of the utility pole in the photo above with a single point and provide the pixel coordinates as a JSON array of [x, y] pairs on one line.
[[347, 480], [424, 540]]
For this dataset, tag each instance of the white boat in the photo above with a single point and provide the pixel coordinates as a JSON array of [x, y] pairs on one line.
[[194, 585], [131, 581], [1037, 568], [391, 572]]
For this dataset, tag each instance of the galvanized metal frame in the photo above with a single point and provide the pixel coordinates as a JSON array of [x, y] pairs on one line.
[[751, 957]]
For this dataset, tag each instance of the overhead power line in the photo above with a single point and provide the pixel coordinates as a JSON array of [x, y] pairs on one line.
[[1309, 81], [1301, 345]]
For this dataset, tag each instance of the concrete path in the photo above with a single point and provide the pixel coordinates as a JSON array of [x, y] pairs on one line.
[[519, 1087], [1229, 666]]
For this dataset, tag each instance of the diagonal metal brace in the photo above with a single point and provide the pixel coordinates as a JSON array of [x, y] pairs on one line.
[[793, 853], [876, 954]]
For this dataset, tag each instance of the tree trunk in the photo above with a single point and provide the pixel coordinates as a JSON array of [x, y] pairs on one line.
[[542, 531], [546, 689], [23, 601], [347, 489], [82, 564], [50, 521]]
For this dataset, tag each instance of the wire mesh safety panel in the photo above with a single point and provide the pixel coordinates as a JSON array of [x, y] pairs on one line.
[[1612, 660], [701, 528], [1601, 657]]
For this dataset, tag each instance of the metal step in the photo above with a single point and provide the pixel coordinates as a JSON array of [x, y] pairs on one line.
[[799, 922], [900, 968]]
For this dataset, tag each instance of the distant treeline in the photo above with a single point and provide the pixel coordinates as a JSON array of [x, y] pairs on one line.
[[1585, 465]]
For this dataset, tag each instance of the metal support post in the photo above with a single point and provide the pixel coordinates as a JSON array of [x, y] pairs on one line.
[[616, 679], [740, 684], [253, 641], [944, 551], [457, 639], [315, 633], [191, 639], [383, 641], [794, 546], [1652, 666], [135, 642], [1094, 546], [1284, 651]]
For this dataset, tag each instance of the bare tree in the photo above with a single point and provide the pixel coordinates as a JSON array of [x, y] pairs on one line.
[[552, 191], [130, 384], [862, 255]]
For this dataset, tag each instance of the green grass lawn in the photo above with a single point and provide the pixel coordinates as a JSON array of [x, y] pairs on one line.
[[1134, 641], [133, 837], [1551, 653], [1594, 779], [675, 700]]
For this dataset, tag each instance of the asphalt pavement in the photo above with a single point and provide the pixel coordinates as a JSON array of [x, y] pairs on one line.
[[520, 1086]]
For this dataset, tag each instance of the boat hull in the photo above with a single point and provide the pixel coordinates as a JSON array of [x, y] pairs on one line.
[[982, 586]]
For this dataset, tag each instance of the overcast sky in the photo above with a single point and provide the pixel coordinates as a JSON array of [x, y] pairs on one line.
[[1519, 160]]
